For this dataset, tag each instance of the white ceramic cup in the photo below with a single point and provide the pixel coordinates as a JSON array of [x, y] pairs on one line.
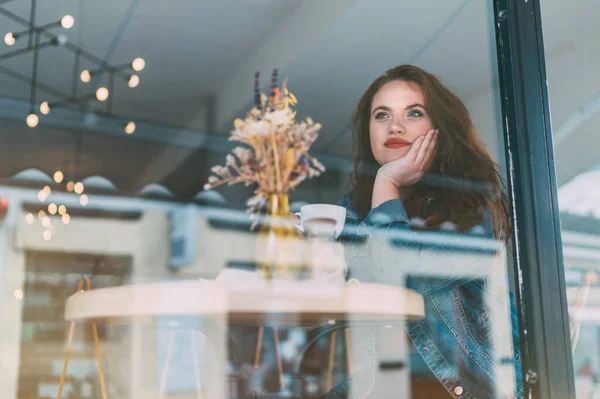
[[322, 214]]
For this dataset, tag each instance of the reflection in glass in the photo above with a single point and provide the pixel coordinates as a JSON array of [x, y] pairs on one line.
[[133, 213]]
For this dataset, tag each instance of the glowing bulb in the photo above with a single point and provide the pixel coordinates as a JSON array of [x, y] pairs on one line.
[[47, 235], [42, 195], [46, 222], [138, 64], [102, 94], [130, 128], [66, 218], [18, 294], [70, 186], [134, 81], [52, 208], [32, 120], [67, 21], [45, 108], [62, 210], [29, 218], [41, 214], [78, 188], [9, 39], [47, 190], [58, 176], [84, 200], [85, 76]]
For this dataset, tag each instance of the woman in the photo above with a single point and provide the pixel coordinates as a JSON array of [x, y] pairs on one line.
[[418, 157]]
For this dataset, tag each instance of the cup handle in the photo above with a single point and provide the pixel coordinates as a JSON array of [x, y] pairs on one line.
[[299, 226]]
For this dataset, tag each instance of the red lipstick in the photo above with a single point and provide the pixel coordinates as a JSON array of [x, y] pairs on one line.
[[396, 143]]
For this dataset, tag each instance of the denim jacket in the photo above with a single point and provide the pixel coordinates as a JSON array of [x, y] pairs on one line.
[[455, 338]]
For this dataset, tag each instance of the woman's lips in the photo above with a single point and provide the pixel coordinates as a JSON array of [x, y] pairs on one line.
[[396, 143]]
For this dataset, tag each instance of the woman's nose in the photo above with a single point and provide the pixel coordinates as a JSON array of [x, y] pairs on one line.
[[396, 127]]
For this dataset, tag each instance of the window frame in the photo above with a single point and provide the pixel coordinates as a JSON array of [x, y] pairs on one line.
[[537, 245]]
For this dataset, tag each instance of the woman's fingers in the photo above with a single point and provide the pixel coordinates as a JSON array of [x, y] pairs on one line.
[[425, 148], [411, 156], [430, 151]]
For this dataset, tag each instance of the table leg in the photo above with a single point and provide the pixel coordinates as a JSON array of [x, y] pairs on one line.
[[63, 374], [99, 360], [66, 361], [97, 349]]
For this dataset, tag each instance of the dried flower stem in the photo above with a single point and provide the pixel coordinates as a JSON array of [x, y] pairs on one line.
[[277, 160]]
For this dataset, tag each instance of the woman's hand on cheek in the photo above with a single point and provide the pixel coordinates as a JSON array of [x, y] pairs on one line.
[[409, 169]]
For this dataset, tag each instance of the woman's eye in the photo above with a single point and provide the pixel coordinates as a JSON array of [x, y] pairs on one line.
[[415, 114], [380, 115]]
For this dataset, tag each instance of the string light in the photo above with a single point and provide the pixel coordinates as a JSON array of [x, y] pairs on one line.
[[45, 108], [102, 94], [85, 76], [66, 218], [29, 218], [134, 81], [126, 71], [138, 64], [32, 120], [58, 176], [78, 188], [9, 39], [52, 208], [67, 22], [130, 128], [62, 210], [47, 235], [83, 200]]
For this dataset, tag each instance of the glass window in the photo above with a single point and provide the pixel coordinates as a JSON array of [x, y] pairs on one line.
[[375, 260], [572, 82]]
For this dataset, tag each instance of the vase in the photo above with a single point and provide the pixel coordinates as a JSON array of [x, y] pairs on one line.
[[280, 251]]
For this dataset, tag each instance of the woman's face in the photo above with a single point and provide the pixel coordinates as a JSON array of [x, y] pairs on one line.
[[398, 118]]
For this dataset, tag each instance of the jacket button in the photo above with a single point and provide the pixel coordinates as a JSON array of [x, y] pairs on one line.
[[458, 390]]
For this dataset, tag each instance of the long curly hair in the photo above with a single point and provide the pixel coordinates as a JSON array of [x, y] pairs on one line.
[[462, 182]]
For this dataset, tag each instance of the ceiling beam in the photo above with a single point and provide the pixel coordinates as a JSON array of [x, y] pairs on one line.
[[110, 125]]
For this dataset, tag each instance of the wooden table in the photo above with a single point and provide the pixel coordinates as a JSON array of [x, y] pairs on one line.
[[259, 303], [277, 303]]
